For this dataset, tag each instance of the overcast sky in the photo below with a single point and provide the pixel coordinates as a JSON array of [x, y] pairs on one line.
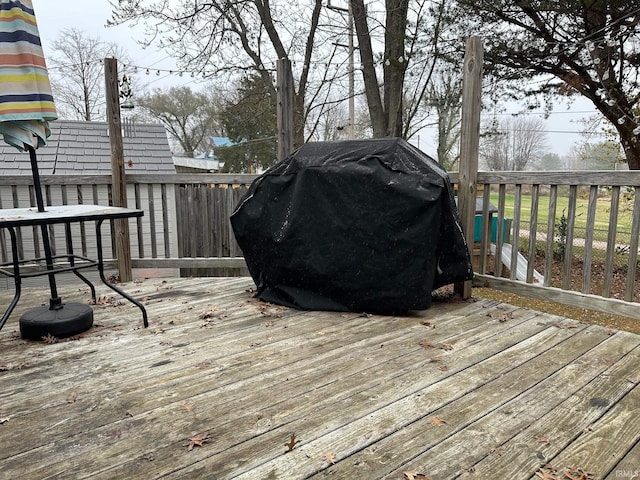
[[90, 16]]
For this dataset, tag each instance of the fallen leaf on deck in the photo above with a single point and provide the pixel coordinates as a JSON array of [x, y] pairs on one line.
[[330, 457], [437, 421], [441, 346], [72, 398], [114, 434], [415, 476], [49, 339], [106, 301], [210, 313], [543, 439], [291, 444], [547, 473], [197, 441], [501, 317], [565, 325], [578, 473], [498, 450]]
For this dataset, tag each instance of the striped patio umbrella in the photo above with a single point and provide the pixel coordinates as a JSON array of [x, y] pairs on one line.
[[26, 108], [26, 103]]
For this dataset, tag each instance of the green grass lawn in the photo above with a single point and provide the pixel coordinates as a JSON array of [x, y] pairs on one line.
[[562, 204]]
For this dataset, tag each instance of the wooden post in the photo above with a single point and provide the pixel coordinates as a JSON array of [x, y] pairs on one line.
[[469, 145], [118, 181], [285, 108]]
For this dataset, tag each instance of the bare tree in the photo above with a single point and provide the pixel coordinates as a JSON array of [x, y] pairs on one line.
[[514, 143], [188, 116], [224, 38], [572, 47], [76, 71], [444, 96]]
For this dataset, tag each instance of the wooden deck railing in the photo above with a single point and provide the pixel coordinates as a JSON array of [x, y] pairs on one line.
[[574, 237], [567, 236]]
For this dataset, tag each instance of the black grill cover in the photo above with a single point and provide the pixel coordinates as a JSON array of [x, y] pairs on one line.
[[359, 225]]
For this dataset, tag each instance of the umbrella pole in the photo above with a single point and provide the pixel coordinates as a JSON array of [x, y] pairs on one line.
[[55, 303]]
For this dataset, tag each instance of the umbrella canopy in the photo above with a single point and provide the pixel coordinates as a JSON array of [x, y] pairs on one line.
[[26, 103]]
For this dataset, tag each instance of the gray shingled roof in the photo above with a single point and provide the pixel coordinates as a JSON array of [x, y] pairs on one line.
[[82, 148]]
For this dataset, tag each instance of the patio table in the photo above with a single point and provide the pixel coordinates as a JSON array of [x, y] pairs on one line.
[[11, 219]]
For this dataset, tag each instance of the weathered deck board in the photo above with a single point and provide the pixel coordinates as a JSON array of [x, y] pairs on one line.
[[462, 390]]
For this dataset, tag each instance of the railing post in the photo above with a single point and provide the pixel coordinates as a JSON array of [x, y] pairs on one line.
[[469, 145], [119, 183], [285, 108]]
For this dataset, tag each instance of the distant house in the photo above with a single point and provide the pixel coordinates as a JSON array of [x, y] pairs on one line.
[[221, 142], [83, 148], [203, 162], [198, 164]]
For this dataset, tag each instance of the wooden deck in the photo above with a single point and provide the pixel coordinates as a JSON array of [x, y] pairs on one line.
[[222, 386]]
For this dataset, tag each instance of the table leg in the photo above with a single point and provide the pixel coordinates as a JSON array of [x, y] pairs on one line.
[[16, 276], [67, 232], [106, 282]]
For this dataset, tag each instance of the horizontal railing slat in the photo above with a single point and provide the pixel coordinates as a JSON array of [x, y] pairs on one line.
[[186, 225]]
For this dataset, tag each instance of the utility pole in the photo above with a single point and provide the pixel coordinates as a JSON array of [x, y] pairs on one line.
[[351, 127], [351, 130]]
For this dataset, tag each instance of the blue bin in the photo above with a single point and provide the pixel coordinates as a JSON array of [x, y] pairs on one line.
[[477, 229]]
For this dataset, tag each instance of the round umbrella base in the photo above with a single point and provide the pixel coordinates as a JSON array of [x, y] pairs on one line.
[[71, 319]]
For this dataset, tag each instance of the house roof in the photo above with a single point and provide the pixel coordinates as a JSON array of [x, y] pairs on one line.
[[83, 148], [221, 141], [197, 163]]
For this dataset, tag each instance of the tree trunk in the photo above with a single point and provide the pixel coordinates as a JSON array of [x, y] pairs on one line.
[[631, 147], [372, 90], [395, 64], [298, 120], [87, 108]]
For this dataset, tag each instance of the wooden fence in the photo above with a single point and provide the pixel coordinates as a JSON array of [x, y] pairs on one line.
[[549, 249]]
